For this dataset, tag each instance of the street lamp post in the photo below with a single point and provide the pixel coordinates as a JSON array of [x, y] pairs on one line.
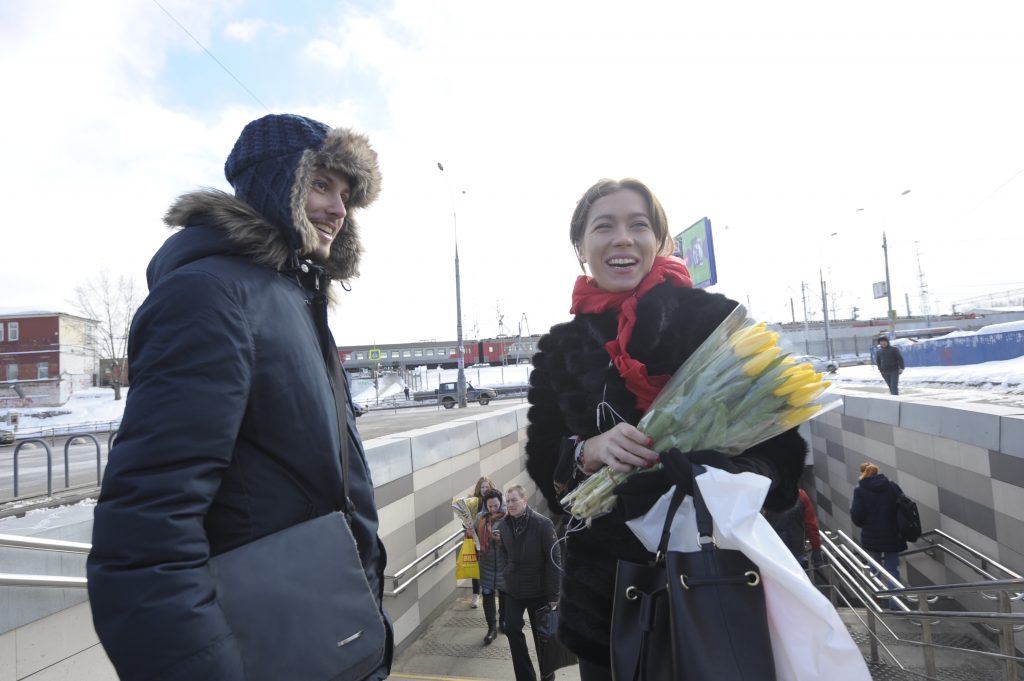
[[460, 348], [890, 312], [888, 289]]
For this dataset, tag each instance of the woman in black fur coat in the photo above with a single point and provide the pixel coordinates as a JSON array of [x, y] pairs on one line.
[[637, 319]]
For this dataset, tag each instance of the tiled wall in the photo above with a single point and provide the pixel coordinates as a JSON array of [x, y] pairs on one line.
[[416, 476], [963, 463]]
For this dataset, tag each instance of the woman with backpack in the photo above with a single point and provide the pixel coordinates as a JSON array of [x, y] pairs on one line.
[[874, 510]]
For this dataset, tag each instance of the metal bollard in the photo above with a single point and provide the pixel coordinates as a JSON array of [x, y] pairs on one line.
[[67, 446], [49, 464]]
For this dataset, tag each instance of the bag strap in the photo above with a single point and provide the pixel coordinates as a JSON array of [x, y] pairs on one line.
[[341, 403], [705, 526], [681, 473]]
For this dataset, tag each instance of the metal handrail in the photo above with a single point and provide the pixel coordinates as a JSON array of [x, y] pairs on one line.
[[37, 544], [399, 586], [977, 554], [850, 566]]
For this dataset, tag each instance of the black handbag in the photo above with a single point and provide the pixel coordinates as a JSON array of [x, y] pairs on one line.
[[298, 602], [717, 609], [707, 607], [551, 653]]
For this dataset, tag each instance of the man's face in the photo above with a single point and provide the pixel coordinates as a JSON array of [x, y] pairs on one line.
[[329, 191], [515, 503]]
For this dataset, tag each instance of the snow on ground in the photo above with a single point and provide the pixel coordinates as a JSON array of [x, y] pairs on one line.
[[991, 382], [92, 405]]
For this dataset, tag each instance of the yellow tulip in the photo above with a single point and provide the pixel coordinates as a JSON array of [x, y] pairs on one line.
[[795, 382], [754, 366], [755, 343], [798, 416], [807, 394], [738, 336], [796, 368]]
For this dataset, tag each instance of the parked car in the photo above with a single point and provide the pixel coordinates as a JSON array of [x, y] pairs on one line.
[[6, 437], [820, 364]]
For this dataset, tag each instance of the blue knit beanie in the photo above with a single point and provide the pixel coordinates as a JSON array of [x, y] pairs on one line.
[[262, 165]]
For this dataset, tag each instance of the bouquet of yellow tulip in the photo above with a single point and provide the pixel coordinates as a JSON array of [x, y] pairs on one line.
[[738, 389]]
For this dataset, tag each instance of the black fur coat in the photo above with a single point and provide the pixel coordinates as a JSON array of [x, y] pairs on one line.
[[571, 376]]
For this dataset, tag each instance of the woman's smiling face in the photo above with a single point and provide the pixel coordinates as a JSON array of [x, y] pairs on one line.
[[619, 243]]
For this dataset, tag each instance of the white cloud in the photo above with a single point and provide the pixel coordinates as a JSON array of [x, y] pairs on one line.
[[775, 123], [247, 30]]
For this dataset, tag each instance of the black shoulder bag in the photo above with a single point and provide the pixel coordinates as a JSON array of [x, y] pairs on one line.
[[706, 606], [298, 602]]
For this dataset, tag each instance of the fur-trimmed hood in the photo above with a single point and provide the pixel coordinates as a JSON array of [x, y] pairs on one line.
[[254, 237], [272, 173]]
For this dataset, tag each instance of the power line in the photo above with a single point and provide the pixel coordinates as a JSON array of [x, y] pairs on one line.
[[203, 47], [995, 191]]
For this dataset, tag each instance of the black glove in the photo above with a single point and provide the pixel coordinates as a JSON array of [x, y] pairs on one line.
[[817, 558], [710, 457], [638, 493]]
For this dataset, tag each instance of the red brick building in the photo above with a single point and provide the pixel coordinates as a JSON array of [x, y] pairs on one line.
[[44, 357]]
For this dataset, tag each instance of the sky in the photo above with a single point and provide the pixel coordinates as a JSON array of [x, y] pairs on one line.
[[777, 121]]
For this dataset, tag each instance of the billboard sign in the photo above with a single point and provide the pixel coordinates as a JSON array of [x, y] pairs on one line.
[[695, 247]]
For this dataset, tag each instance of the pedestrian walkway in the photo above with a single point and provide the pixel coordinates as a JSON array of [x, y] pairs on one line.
[[452, 649]]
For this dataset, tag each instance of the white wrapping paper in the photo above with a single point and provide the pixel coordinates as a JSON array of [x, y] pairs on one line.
[[809, 641]]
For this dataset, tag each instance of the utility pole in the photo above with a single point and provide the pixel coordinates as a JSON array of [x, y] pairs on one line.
[[824, 310], [807, 340], [792, 309], [888, 288], [925, 306]]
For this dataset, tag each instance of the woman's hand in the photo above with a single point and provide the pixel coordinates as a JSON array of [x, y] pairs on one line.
[[622, 449]]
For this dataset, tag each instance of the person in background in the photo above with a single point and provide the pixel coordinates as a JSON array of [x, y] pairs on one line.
[[795, 524], [890, 364], [492, 564], [528, 543], [874, 511], [637, 319], [406, 391], [231, 430], [483, 485]]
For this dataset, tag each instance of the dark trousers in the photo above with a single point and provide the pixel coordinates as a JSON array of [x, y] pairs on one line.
[[594, 672], [489, 613], [476, 586], [892, 379], [514, 608]]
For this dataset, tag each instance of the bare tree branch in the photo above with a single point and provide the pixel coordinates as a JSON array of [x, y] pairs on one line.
[[111, 302]]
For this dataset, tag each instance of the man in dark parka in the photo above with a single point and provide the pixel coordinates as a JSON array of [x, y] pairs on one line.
[[890, 364], [231, 430]]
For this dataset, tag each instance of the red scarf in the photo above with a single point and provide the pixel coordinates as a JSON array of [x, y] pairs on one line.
[[587, 298]]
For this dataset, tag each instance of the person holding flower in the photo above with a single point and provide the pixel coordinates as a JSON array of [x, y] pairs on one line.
[[474, 503], [637, 319]]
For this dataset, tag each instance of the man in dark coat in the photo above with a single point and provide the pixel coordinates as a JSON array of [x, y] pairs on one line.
[[890, 364], [529, 546], [232, 430]]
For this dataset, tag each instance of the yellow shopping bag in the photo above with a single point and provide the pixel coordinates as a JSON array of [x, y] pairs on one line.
[[466, 567]]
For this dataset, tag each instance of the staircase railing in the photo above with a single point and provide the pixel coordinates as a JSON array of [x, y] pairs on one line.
[[859, 581]]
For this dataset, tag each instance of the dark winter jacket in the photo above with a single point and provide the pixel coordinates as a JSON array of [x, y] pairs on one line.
[[571, 377], [874, 511], [889, 359], [531, 558], [492, 562], [230, 433]]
